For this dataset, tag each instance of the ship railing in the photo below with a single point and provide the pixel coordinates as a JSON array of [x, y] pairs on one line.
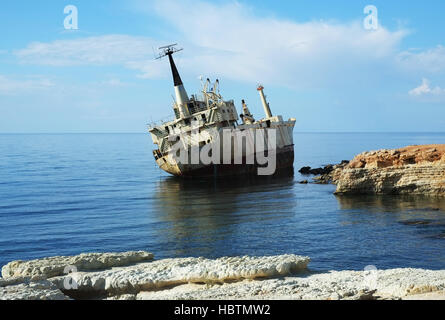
[[197, 108], [159, 122]]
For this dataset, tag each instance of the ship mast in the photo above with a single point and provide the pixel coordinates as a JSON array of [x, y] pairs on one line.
[[180, 93], [266, 106]]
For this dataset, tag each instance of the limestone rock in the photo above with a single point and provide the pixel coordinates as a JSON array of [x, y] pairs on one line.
[[172, 272], [345, 285], [410, 170], [410, 179], [55, 266], [30, 290], [276, 277]]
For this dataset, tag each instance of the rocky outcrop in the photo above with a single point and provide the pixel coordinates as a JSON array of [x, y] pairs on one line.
[[55, 266], [276, 277], [326, 170], [329, 172], [392, 284], [399, 158], [165, 273], [412, 179], [26, 289], [409, 170], [130, 273]]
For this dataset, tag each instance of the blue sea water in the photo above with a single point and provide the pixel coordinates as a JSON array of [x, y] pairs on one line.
[[63, 194]]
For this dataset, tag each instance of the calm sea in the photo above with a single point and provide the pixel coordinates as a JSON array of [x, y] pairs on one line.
[[63, 194]]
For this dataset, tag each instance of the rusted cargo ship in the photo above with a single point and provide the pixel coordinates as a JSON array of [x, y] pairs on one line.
[[206, 128]]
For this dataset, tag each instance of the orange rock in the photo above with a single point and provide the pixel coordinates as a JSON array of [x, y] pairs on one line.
[[399, 157], [409, 170]]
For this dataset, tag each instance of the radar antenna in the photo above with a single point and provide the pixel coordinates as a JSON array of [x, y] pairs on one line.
[[168, 50]]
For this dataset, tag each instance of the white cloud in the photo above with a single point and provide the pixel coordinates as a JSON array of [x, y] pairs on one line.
[[100, 50], [425, 90], [11, 86], [129, 51], [229, 41], [431, 60]]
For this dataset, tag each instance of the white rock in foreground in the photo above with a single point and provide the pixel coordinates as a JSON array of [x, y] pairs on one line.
[[172, 272], [30, 290], [334, 285], [55, 266], [130, 276]]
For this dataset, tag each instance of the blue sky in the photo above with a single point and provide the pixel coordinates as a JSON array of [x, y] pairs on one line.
[[316, 60]]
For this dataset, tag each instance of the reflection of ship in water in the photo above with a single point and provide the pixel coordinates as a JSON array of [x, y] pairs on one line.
[[424, 214], [204, 216]]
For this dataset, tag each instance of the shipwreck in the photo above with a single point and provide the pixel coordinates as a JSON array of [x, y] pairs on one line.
[[207, 137]]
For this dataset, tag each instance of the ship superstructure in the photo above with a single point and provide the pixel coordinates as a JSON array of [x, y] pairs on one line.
[[209, 124]]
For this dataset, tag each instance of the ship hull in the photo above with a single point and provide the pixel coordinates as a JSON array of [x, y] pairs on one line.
[[284, 164]]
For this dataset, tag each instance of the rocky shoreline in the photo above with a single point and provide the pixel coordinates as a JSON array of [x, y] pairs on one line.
[[410, 170], [138, 276]]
